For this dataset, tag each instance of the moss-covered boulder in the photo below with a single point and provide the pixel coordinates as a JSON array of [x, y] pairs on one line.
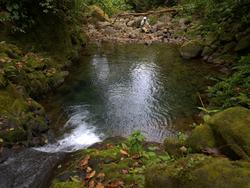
[[233, 127], [201, 137], [197, 171], [191, 49], [22, 120], [35, 72], [173, 146]]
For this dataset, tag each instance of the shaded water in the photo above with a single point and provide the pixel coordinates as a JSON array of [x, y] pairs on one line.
[[116, 89]]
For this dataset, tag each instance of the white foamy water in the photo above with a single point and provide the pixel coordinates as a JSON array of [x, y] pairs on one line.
[[81, 134]]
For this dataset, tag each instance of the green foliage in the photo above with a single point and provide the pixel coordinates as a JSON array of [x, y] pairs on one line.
[[143, 5], [135, 142], [22, 14], [110, 7], [234, 90]]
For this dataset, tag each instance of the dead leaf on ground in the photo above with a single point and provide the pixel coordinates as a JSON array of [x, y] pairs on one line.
[[123, 152], [88, 169], [100, 175], [90, 175], [84, 162], [116, 184], [125, 171], [136, 156], [91, 184], [99, 185], [109, 145]]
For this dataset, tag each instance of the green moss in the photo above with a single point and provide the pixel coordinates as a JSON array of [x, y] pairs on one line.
[[66, 185], [22, 117], [172, 146], [10, 50], [232, 125], [197, 171], [200, 138], [13, 135]]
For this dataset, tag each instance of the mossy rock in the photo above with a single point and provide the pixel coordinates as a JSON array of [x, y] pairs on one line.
[[11, 50], [201, 137], [243, 43], [97, 14], [191, 49], [172, 145], [13, 135], [69, 184], [233, 126], [23, 118], [197, 171]]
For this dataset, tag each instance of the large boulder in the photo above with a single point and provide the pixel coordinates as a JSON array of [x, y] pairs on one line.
[[197, 171], [201, 138], [233, 127], [29, 169], [22, 120], [191, 49]]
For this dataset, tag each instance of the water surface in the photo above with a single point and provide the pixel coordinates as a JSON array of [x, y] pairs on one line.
[[116, 89]]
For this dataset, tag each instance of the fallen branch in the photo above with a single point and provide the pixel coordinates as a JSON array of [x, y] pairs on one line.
[[144, 13]]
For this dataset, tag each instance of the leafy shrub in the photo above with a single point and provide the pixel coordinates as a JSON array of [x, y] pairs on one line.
[[22, 14], [143, 5], [234, 90], [110, 7], [135, 142]]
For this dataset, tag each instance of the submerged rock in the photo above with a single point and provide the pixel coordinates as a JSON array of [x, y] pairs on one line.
[[191, 49], [197, 171]]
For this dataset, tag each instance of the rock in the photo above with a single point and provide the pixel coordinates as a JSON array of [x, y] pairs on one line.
[[243, 43], [130, 23], [227, 37], [211, 38], [228, 48], [23, 118], [197, 171], [183, 22], [172, 145], [29, 169], [103, 24], [201, 137], [207, 51], [191, 49], [233, 127], [137, 22]]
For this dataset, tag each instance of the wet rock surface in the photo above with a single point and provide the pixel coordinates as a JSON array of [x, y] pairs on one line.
[[28, 168]]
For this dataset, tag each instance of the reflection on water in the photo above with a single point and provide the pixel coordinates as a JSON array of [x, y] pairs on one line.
[[124, 88]]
